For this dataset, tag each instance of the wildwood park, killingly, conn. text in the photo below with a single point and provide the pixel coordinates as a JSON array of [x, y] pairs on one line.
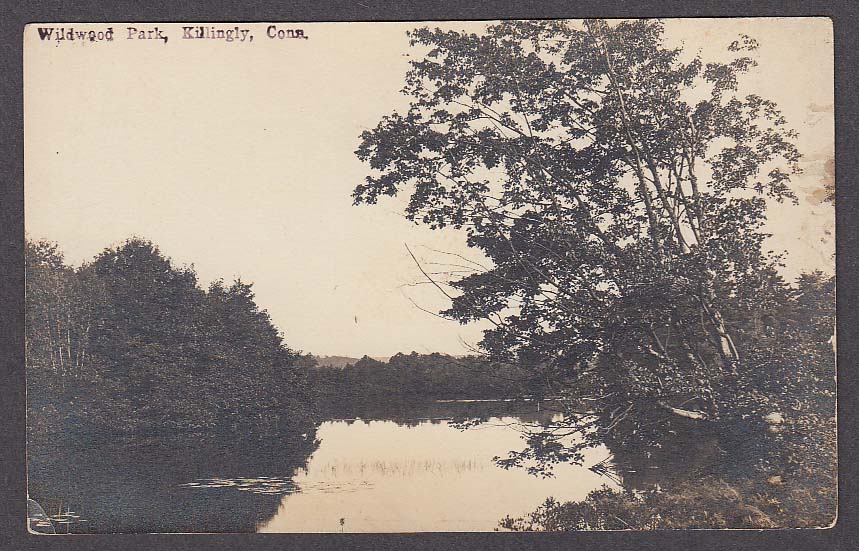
[[140, 32]]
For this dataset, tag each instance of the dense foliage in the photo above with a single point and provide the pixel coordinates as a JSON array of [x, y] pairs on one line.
[[130, 344], [780, 474], [619, 189], [705, 503]]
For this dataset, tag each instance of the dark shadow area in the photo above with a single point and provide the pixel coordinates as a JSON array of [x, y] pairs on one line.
[[141, 485]]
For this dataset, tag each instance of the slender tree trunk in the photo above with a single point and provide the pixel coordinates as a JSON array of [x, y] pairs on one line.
[[636, 163]]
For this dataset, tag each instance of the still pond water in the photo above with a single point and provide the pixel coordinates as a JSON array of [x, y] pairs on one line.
[[380, 475]]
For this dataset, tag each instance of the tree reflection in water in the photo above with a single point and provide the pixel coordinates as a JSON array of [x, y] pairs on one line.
[[136, 485]]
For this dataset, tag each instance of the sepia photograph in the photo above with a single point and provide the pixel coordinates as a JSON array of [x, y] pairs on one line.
[[436, 276]]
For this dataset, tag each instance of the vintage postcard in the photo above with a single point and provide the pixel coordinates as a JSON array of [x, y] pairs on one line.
[[465, 276]]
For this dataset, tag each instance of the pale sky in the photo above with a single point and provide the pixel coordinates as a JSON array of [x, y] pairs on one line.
[[239, 158]]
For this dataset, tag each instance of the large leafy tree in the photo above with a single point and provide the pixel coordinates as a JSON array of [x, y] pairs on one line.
[[619, 190]]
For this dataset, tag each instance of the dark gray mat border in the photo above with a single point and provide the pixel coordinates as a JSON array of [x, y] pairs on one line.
[[13, 17]]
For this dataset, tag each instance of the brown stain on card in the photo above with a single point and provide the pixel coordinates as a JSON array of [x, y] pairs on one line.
[[826, 191]]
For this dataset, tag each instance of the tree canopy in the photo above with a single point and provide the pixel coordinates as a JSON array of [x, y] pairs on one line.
[[130, 343], [619, 189]]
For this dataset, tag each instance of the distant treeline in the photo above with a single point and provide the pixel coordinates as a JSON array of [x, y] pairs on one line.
[[131, 344], [415, 378], [342, 361]]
